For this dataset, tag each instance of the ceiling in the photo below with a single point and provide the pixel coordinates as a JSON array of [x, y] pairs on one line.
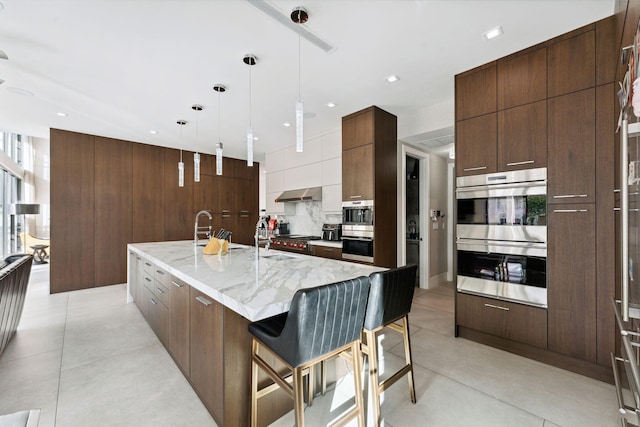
[[124, 68]]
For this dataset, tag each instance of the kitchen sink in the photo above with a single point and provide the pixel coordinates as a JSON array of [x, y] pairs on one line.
[[278, 257]]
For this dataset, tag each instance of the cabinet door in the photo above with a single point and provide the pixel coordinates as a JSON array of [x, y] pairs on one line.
[[178, 201], [571, 140], [476, 92], [157, 315], [227, 194], [571, 280], [246, 227], [357, 173], [522, 79], [522, 137], [572, 64], [179, 324], [207, 352], [515, 322], [205, 195], [148, 193], [327, 252], [476, 145], [113, 197], [358, 129]]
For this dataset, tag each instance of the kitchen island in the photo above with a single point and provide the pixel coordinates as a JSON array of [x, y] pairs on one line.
[[200, 307]]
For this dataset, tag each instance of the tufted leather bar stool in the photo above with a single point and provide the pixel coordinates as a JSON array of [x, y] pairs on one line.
[[390, 298], [322, 322]]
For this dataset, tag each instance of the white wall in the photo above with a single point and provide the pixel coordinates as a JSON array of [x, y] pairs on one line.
[[320, 165], [40, 225]]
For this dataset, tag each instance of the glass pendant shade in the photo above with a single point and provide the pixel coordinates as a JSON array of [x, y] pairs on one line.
[[299, 126], [180, 173], [219, 158], [196, 167], [249, 146]]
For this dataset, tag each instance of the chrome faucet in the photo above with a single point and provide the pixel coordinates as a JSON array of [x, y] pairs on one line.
[[202, 230], [262, 221]]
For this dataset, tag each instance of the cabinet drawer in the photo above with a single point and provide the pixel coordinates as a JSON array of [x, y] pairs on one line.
[[148, 266], [147, 279], [327, 252], [157, 315], [512, 321], [162, 276]]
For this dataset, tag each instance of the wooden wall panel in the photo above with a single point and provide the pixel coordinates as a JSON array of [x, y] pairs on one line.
[[178, 201], [113, 209], [72, 211], [148, 193]]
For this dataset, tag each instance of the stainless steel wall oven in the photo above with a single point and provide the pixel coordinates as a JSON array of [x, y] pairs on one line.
[[502, 235], [357, 230]]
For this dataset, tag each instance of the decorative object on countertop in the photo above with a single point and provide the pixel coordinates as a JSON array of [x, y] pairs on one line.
[[216, 247], [250, 60]]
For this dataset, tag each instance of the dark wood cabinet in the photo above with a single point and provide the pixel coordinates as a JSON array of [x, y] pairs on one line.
[[504, 319], [205, 195], [571, 280], [357, 173], [157, 314], [606, 51], [179, 324], [72, 211], [476, 145], [178, 224], [326, 252], [571, 64], [522, 137], [476, 92], [369, 172], [571, 144], [148, 193], [207, 352], [522, 79], [113, 209]]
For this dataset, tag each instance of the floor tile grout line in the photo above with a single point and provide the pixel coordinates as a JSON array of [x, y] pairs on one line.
[[64, 334]]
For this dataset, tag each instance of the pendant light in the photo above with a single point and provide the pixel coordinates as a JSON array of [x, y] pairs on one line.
[[196, 156], [181, 163], [250, 60], [299, 15], [220, 89]]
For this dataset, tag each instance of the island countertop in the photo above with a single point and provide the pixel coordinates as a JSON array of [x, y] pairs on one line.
[[254, 288]]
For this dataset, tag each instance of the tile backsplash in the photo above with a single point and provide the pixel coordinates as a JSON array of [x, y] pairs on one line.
[[308, 218]]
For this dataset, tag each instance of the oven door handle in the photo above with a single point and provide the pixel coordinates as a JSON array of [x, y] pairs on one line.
[[501, 186], [356, 238]]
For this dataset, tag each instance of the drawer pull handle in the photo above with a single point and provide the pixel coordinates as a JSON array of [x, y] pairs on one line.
[[526, 162], [569, 196], [570, 210], [226, 216], [159, 290], [478, 168], [147, 279], [203, 301], [176, 284], [159, 271], [146, 263], [355, 197], [497, 306], [154, 302]]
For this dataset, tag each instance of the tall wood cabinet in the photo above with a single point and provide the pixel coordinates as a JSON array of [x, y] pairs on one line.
[[106, 193], [555, 107], [369, 172]]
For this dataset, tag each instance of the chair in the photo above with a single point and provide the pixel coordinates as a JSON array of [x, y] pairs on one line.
[[322, 322], [390, 298]]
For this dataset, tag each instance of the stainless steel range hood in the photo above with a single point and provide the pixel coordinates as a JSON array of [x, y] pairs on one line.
[[301, 195]]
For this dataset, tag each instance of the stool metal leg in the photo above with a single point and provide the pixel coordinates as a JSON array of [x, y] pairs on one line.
[[374, 380], [407, 357], [298, 396], [357, 381], [254, 384]]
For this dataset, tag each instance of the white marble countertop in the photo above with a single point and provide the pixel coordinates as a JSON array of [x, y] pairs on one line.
[[253, 289], [328, 243]]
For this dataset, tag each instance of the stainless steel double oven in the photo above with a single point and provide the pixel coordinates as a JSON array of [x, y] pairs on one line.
[[357, 230], [502, 235]]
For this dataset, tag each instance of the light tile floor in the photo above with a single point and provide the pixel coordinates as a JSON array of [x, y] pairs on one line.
[[87, 358]]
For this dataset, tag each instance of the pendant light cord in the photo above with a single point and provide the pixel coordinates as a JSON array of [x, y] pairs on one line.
[[218, 116], [299, 66], [250, 93]]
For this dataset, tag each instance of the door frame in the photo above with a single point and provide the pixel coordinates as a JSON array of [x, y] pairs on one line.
[[424, 226]]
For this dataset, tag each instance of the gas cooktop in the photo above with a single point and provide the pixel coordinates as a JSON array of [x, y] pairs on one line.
[[298, 237], [292, 242]]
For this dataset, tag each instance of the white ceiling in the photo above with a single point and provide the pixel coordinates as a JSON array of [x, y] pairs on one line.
[[123, 68]]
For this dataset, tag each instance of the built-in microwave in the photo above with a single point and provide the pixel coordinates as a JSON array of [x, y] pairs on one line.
[[357, 213]]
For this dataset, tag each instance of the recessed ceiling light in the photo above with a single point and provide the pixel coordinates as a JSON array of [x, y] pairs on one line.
[[331, 104], [19, 91], [286, 124], [153, 132], [493, 33], [255, 138], [392, 78], [62, 114]]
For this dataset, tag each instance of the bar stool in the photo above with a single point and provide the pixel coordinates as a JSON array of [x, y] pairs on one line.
[[390, 298], [322, 322]]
